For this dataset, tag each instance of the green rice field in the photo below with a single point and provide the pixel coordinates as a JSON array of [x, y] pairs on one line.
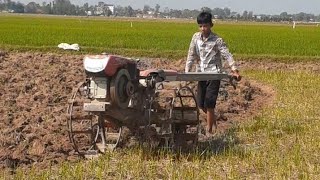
[[134, 37]]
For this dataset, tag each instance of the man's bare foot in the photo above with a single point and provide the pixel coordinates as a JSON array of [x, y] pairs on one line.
[[211, 131], [215, 125]]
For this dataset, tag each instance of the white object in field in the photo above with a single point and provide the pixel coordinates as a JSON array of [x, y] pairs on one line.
[[294, 25], [66, 46]]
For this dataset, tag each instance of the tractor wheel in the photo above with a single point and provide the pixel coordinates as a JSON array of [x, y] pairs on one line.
[[80, 123], [89, 132]]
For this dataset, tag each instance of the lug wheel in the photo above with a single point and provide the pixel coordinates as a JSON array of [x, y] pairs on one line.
[[89, 132]]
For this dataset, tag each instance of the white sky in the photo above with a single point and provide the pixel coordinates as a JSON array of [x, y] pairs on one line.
[[257, 6]]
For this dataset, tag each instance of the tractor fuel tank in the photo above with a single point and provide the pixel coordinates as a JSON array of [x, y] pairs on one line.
[[108, 65]]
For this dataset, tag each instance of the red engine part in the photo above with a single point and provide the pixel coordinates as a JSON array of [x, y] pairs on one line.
[[107, 64]]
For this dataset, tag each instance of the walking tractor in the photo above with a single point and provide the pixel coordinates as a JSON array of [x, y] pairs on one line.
[[117, 94]]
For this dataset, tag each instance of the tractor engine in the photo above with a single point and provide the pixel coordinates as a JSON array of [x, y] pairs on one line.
[[112, 80]]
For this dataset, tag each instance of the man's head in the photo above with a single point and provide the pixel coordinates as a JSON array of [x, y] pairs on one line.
[[204, 18], [204, 21]]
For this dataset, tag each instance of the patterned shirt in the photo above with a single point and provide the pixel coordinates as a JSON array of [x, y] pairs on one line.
[[209, 51]]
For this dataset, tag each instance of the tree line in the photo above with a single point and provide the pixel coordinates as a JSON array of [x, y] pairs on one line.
[[65, 7]]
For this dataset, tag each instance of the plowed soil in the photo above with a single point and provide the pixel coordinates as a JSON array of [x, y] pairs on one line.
[[35, 88]]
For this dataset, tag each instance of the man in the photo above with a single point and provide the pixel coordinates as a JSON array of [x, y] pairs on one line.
[[209, 49]]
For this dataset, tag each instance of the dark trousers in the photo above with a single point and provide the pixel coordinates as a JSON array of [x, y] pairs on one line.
[[208, 93]]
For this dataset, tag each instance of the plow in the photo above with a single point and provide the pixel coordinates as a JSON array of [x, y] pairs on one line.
[[117, 94]]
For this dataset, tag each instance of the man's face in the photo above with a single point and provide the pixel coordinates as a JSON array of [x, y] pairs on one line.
[[205, 29]]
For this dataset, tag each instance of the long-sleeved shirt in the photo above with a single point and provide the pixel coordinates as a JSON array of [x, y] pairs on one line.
[[209, 51]]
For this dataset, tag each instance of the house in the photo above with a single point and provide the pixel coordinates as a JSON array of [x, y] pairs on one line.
[[149, 14], [104, 9]]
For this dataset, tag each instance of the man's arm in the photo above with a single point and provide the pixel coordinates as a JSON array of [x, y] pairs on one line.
[[226, 55], [192, 54]]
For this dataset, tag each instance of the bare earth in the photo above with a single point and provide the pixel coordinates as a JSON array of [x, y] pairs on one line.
[[35, 87]]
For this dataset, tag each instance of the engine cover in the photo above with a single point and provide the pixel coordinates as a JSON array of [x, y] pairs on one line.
[[107, 65]]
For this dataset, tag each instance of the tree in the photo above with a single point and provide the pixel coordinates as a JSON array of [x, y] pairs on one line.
[[186, 13], [14, 7], [302, 17], [19, 8], [119, 10], [156, 11], [227, 12], [86, 6], [166, 10], [219, 12], [46, 8], [250, 15], [175, 13], [238, 17], [63, 7], [128, 11], [206, 9], [2, 6], [146, 8], [32, 7], [245, 15], [283, 14]]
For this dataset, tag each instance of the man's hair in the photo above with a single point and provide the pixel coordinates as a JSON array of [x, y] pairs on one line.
[[204, 18]]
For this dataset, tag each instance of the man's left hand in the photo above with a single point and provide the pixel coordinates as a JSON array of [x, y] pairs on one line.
[[236, 75]]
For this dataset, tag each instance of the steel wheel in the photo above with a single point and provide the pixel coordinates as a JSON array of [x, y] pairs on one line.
[[81, 124], [89, 132]]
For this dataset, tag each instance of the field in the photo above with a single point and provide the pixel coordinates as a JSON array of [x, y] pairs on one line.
[[275, 135], [153, 38]]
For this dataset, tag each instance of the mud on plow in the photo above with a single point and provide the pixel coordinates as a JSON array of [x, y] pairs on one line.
[[116, 94]]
